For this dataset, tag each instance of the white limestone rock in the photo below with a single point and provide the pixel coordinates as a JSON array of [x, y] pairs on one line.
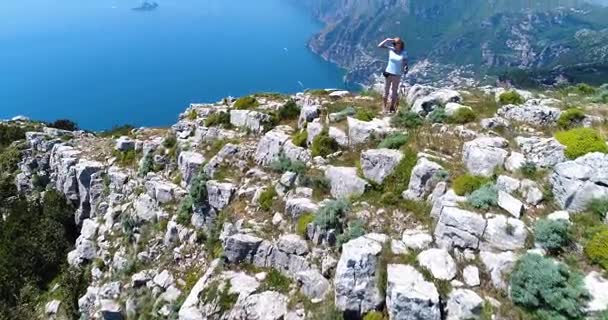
[[377, 164]]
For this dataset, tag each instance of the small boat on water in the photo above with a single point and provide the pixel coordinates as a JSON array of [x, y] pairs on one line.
[[146, 6]]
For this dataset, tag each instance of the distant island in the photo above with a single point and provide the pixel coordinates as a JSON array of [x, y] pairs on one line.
[[146, 6]]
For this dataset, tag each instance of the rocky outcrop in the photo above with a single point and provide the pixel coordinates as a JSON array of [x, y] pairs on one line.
[[409, 296], [534, 112], [248, 119], [459, 228], [499, 266], [189, 164], [377, 164], [270, 147], [355, 281], [345, 182], [421, 179], [439, 263], [575, 183], [464, 304], [543, 152], [482, 155], [360, 132]]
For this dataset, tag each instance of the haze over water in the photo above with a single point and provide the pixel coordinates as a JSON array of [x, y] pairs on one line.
[[101, 64]]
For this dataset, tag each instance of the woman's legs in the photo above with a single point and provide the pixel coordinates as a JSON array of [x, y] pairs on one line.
[[394, 84], [387, 91]]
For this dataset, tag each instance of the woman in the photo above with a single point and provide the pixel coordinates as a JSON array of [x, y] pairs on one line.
[[397, 66]]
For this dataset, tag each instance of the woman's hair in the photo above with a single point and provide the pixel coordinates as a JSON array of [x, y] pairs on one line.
[[399, 44]]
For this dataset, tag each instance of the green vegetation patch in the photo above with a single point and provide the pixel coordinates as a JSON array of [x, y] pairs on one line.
[[570, 118], [466, 184], [548, 289], [552, 234], [580, 141], [462, 116], [484, 197], [364, 114], [510, 97], [394, 141], [284, 164], [245, 103], [267, 199], [302, 224], [407, 119], [289, 111], [299, 139], [323, 145], [218, 119], [597, 249]]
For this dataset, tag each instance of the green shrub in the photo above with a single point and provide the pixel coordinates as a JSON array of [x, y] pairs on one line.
[[289, 111], [147, 165], [580, 141], [125, 158], [344, 113], [271, 122], [192, 115], [319, 184], [330, 216], [245, 103], [399, 180], [64, 124], [10, 134], [510, 97], [198, 189], [374, 315], [466, 184], [364, 114], [570, 118], [599, 207], [302, 224], [462, 116], [219, 295], [221, 119], [597, 249], [528, 170], [602, 95], [9, 160], [438, 116], [394, 141], [323, 145], [406, 119], [484, 197], [547, 288], [267, 199], [552, 234], [585, 89], [170, 140], [118, 131], [275, 281], [355, 230], [389, 199], [299, 139], [184, 214], [284, 164]]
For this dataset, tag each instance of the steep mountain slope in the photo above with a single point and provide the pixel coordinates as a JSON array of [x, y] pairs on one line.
[[492, 35]]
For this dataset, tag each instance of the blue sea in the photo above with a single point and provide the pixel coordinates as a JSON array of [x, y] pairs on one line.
[[100, 63]]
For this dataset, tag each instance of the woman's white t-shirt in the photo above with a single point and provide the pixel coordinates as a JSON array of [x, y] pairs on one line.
[[395, 61]]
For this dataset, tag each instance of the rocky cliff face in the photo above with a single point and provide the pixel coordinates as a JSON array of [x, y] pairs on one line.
[[481, 34], [317, 205]]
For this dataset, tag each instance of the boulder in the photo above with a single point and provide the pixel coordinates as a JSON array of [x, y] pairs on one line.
[[355, 280], [459, 228], [543, 152], [308, 112], [598, 289], [494, 123], [219, 193], [377, 164], [313, 129], [189, 164], [452, 107], [339, 136], [515, 161], [416, 239], [161, 191], [360, 132], [439, 263], [124, 143], [295, 153], [145, 208], [294, 207], [251, 120], [270, 147], [268, 305], [510, 204], [110, 310], [421, 180], [345, 182], [292, 244], [425, 105], [533, 112], [482, 155], [409, 296], [531, 192], [241, 247], [503, 233], [313, 285], [499, 266], [507, 184], [575, 183], [464, 304], [470, 274]]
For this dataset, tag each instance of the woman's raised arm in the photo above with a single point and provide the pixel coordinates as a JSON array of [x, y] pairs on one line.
[[384, 42]]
